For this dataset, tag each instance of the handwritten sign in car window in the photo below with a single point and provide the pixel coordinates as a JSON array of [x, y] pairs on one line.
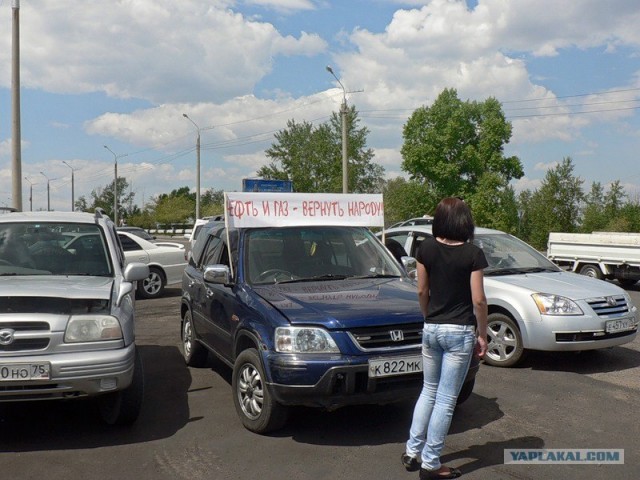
[[251, 210]]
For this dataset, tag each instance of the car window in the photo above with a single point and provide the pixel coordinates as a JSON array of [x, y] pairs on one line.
[[212, 252], [50, 248], [129, 244], [418, 238], [298, 253]]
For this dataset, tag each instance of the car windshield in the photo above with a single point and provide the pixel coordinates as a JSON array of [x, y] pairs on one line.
[[299, 254], [508, 255], [45, 248]]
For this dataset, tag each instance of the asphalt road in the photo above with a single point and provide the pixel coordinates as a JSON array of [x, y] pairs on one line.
[[189, 429]]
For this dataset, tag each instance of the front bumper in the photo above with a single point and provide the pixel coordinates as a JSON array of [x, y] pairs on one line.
[[339, 381], [72, 375], [575, 333]]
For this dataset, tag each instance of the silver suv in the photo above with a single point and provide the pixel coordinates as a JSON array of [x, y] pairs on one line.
[[67, 314]]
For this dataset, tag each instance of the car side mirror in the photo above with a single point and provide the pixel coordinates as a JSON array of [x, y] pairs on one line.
[[410, 265], [219, 274], [136, 271]]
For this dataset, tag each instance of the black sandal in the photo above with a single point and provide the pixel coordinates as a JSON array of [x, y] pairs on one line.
[[434, 475]]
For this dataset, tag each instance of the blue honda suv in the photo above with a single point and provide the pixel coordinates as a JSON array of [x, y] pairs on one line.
[[320, 316]]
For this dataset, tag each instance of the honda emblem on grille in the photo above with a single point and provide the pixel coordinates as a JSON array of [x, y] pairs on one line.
[[396, 335], [611, 301], [6, 336]]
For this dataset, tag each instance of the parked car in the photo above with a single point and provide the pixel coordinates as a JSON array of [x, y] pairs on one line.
[[201, 226], [425, 220], [321, 316], [533, 304], [166, 261], [140, 232], [67, 315]]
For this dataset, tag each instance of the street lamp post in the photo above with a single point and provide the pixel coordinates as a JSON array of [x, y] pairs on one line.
[[30, 193], [197, 165], [343, 121], [115, 184], [48, 192], [72, 185]]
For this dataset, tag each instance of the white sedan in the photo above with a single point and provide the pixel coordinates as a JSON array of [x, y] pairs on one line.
[[166, 261]]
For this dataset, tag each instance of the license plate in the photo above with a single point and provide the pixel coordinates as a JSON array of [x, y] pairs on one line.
[[16, 372], [613, 326], [387, 367]]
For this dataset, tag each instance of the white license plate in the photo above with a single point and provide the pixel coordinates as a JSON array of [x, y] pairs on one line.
[[15, 372], [613, 326], [387, 367]]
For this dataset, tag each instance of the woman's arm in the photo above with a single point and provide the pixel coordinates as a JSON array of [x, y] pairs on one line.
[[480, 308], [423, 288]]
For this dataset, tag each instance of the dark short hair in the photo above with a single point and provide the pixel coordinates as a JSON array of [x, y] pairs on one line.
[[453, 220]]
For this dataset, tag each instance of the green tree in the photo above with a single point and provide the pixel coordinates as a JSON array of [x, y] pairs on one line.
[[594, 218], [494, 204], [311, 157], [452, 144], [555, 206], [103, 198], [406, 199]]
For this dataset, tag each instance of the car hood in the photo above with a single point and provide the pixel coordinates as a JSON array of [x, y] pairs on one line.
[[340, 304], [566, 284], [56, 286]]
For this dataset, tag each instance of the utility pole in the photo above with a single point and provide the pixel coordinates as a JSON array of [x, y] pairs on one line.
[[72, 186], [115, 184], [197, 165], [343, 121], [16, 162], [48, 191], [30, 193]]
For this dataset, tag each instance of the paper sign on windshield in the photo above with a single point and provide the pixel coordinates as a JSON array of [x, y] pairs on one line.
[[251, 210]]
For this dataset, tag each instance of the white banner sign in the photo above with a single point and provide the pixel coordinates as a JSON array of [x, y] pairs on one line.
[[251, 210]]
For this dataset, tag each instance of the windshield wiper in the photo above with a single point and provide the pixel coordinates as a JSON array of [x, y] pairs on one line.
[[538, 269], [503, 271], [517, 271], [376, 275], [327, 276]]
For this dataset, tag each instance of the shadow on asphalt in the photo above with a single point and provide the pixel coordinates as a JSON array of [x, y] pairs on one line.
[[76, 424], [378, 424], [589, 361], [490, 454]]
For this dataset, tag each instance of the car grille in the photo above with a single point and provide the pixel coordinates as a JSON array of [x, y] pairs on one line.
[[387, 337], [37, 339], [609, 306]]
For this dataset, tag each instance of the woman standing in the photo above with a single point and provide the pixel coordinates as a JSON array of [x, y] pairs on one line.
[[452, 300]]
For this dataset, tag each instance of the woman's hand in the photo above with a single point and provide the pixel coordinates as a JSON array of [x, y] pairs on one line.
[[480, 349]]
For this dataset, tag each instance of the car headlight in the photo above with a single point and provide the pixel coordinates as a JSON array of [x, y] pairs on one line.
[[304, 340], [92, 328], [556, 305]]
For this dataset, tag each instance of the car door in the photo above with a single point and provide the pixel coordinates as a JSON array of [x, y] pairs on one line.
[[413, 242], [214, 305], [133, 252]]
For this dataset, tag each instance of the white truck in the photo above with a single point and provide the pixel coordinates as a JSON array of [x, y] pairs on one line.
[[603, 255]]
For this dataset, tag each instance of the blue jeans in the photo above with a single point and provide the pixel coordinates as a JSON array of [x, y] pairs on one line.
[[446, 354]]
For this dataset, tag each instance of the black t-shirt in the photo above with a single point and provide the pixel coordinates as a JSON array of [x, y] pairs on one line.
[[449, 268]]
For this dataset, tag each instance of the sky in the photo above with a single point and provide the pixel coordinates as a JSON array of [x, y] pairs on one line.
[[122, 74]]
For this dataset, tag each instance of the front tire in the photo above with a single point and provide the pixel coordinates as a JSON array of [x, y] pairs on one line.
[[123, 407], [505, 347], [255, 405], [195, 355], [592, 271], [465, 391], [153, 285]]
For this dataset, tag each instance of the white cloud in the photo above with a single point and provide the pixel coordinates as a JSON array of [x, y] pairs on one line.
[[157, 50]]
